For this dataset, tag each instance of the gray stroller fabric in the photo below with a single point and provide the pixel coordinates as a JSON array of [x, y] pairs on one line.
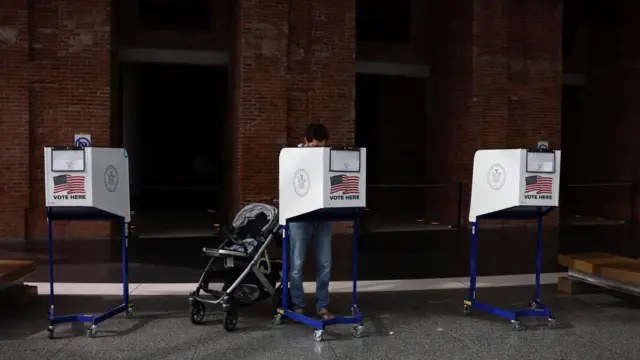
[[247, 245], [250, 211]]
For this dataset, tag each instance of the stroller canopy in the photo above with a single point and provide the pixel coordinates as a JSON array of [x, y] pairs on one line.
[[255, 218]]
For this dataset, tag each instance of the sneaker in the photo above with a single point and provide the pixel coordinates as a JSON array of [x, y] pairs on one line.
[[326, 315]]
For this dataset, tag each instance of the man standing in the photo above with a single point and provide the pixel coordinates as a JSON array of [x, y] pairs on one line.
[[317, 233]]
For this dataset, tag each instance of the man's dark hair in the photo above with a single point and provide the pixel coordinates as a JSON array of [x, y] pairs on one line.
[[316, 132]]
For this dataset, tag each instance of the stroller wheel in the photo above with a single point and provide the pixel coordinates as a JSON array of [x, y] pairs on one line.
[[197, 312], [277, 319], [231, 320]]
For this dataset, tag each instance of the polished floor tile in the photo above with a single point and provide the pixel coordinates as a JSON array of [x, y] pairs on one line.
[[404, 325]]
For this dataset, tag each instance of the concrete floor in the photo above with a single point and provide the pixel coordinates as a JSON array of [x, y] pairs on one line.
[[399, 325]]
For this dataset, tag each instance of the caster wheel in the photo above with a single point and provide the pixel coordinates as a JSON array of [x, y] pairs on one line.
[[129, 313], [318, 335], [51, 331], [533, 305], [231, 320], [552, 322], [358, 331], [197, 312], [515, 325], [466, 310], [91, 332], [277, 319]]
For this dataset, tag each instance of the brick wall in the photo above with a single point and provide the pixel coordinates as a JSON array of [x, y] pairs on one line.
[[55, 72], [497, 81], [14, 105], [136, 35], [496, 70], [294, 65]]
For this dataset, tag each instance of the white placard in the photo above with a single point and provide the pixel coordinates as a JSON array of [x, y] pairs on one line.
[[344, 161], [541, 162], [67, 160]]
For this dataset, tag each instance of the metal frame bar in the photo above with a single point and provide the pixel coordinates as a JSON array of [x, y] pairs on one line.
[[537, 308], [356, 319], [630, 289], [219, 296], [126, 306]]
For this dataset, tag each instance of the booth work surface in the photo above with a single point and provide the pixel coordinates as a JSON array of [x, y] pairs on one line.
[[409, 326]]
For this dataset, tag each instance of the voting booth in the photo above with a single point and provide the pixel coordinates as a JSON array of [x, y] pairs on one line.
[[321, 184], [513, 184], [87, 184]]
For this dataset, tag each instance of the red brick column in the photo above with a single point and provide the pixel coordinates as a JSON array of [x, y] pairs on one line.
[[260, 107], [56, 79], [322, 68], [497, 81], [294, 63], [14, 119]]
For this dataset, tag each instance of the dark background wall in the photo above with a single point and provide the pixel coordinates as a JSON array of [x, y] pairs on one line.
[[497, 77]]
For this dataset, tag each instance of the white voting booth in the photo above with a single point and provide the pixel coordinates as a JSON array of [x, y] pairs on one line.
[[321, 184], [87, 184], [87, 181], [514, 179], [513, 184], [317, 178]]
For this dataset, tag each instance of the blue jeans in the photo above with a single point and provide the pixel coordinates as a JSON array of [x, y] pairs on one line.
[[300, 234]]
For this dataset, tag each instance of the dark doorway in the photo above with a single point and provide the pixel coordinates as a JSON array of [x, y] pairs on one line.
[[174, 134], [391, 121]]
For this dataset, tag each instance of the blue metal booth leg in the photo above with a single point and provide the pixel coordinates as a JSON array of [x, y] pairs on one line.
[[94, 320], [319, 325], [536, 307]]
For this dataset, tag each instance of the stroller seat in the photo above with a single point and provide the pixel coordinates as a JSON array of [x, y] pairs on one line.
[[248, 232], [245, 248]]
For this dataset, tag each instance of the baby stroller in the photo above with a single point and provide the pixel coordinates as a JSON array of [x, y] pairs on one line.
[[242, 260]]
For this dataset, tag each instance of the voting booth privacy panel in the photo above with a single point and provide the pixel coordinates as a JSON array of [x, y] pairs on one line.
[[315, 178], [321, 184], [513, 184], [87, 180], [514, 179], [87, 184]]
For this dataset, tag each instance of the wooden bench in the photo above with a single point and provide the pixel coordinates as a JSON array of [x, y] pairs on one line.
[[605, 270], [12, 275]]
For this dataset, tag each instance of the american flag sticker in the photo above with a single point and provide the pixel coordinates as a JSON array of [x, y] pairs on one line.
[[538, 184], [68, 184], [345, 184]]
